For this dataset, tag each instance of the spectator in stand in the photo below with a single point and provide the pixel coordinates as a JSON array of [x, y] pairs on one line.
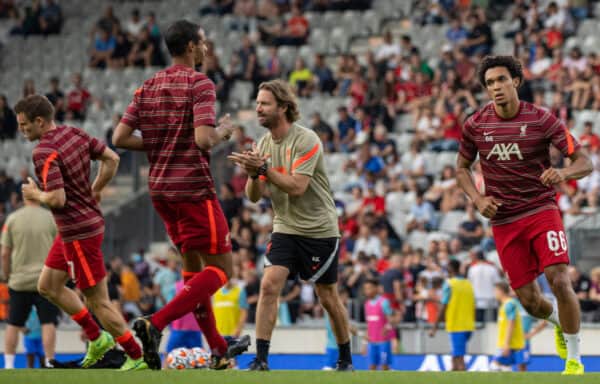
[[324, 131], [456, 34], [134, 26], [581, 283], [366, 243], [57, 98], [164, 279], [30, 23], [217, 7], [470, 230], [273, 66], [119, 56], [422, 215], [359, 273], [483, 275], [385, 147], [296, 32], [51, 18], [104, 47], [302, 79], [231, 204], [107, 22], [346, 131], [386, 52], [8, 120], [595, 285], [324, 75], [7, 188], [143, 50], [152, 26], [589, 135], [78, 98], [479, 41], [588, 188], [392, 281]]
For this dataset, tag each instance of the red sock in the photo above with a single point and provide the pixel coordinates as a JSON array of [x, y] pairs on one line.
[[206, 321], [195, 292], [131, 347], [87, 322]]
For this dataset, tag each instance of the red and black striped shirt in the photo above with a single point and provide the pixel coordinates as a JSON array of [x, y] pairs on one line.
[[513, 154], [62, 160], [166, 109]]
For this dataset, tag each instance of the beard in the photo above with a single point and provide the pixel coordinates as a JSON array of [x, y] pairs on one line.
[[270, 121]]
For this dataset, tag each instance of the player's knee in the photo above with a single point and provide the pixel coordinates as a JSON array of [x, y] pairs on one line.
[[45, 288], [561, 284], [530, 302], [327, 294], [268, 289]]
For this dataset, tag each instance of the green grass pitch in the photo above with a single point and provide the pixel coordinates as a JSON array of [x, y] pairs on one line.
[[79, 376]]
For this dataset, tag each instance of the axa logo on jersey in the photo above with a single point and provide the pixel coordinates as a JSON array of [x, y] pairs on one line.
[[504, 151]]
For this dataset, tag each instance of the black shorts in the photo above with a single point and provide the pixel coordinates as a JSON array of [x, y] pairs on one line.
[[314, 260], [20, 304]]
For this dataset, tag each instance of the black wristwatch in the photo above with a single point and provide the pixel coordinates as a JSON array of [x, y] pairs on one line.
[[262, 170]]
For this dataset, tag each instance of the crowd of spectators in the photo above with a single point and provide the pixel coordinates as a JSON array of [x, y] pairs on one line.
[[32, 18], [392, 82]]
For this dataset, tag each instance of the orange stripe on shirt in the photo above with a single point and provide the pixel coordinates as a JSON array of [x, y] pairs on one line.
[[570, 143], [46, 167], [305, 158], [84, 264], [212, 227]]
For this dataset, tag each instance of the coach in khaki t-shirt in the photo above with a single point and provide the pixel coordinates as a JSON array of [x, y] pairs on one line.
[[27, 236], [313, 214]]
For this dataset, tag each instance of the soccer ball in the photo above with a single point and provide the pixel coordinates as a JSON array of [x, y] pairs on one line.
[[180, 358], [200, 358]]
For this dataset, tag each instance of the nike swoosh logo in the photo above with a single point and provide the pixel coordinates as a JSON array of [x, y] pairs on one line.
[[559, 253], [488, 133]]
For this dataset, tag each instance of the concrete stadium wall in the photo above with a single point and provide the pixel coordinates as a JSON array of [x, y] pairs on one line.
[[296, 340]]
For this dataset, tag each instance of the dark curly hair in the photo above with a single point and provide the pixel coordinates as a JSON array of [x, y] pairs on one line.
[[509, 62]]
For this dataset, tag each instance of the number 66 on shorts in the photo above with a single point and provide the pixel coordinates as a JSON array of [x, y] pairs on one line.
[[530, 244]]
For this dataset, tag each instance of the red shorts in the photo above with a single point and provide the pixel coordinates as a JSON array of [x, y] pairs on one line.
[[529, 245], [198, 226], [81, 259]]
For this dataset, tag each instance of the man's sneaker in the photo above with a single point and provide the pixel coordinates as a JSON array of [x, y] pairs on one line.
[[258, 365], [344, 366], [573, 367], [235, 347], [150, 337], [97, 349], [561, 343], [134, 364]]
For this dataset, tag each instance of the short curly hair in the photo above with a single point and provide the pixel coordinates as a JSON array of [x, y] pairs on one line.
[[512, 64]]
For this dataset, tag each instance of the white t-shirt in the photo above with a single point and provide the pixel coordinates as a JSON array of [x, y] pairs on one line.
[[484, 277], [370, 246], [387, 51], [134, 28], [540, 66]]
